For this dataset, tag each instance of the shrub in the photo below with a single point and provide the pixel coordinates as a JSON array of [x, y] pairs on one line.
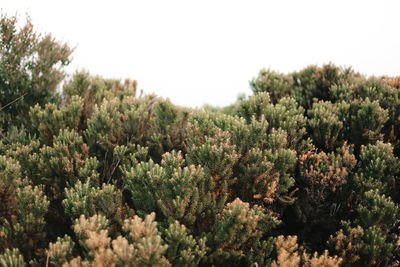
[[31, 67], [303, 172]]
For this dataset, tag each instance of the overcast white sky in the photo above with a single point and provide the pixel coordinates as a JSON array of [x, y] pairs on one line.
[[198, 52]]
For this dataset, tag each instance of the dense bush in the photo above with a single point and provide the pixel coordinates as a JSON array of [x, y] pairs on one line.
[[303, 172], [30, 70]]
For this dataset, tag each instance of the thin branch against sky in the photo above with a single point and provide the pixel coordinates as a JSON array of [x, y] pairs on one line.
[[207, 51]]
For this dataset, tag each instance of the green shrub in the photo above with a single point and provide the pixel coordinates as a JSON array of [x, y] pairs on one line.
[[31, 67], [276, 84], [302, 173]]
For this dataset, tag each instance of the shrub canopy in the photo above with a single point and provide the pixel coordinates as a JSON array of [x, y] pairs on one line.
[[303, 172]]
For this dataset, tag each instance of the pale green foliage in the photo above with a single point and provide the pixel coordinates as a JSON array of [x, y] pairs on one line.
[[147, 121], [94, 89], [147, 241], [183, 249], [313, 82], [259, 153], [216, 154], [66, 162], [22, 210], [238, 226], [377, 167], [342, 91], [287, 115], [25, 152], [32, 205], [24, 228], [88, 200], [50, 120], [377, 210], [326, 123], [12, 258], [177, 192], [276, 84], [265, 172], [10, 172], [368, 120], [367, 241], [131, 154], [61, 251], [103, 123], [258, 105]]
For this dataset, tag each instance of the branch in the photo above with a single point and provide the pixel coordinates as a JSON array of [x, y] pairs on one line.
[[15, 100]]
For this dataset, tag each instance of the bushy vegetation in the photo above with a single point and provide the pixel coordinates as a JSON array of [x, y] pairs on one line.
[[305, 172]]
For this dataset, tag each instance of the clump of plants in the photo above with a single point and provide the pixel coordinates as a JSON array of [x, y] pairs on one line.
[[302, 173]]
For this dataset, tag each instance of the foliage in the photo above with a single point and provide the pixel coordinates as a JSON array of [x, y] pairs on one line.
[[22, 211], [12, 258], [369, 241], [303, 172], [183, 249], [288, 255], [278, 85], [326, 123], [31, 67]]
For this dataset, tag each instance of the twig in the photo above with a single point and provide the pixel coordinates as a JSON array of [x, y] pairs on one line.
[[113, 170], [15, 100], [47, 260]]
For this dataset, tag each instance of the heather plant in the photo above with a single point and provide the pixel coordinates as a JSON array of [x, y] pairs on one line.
[[93, 90], [59, 166], [368, 239], [31, 67], [289, 254], [149, 122], [377, 169], [176, 192], [321, 180], [306, 86], [287, 115], [313, 82], [254, 162], [218, 156], [276, 84], [265, 173], [302, 173], [239, 225], [12, 258], [50, 120], [141, 244], [393, 82], [326, 122], [22, 211], [23, 147], [366, 122], [90, 200], [377, 89], [61, 251], [184, 249], [147, 240], [65, 163]]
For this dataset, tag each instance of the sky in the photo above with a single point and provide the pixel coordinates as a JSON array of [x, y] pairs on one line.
[[205, 52]]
